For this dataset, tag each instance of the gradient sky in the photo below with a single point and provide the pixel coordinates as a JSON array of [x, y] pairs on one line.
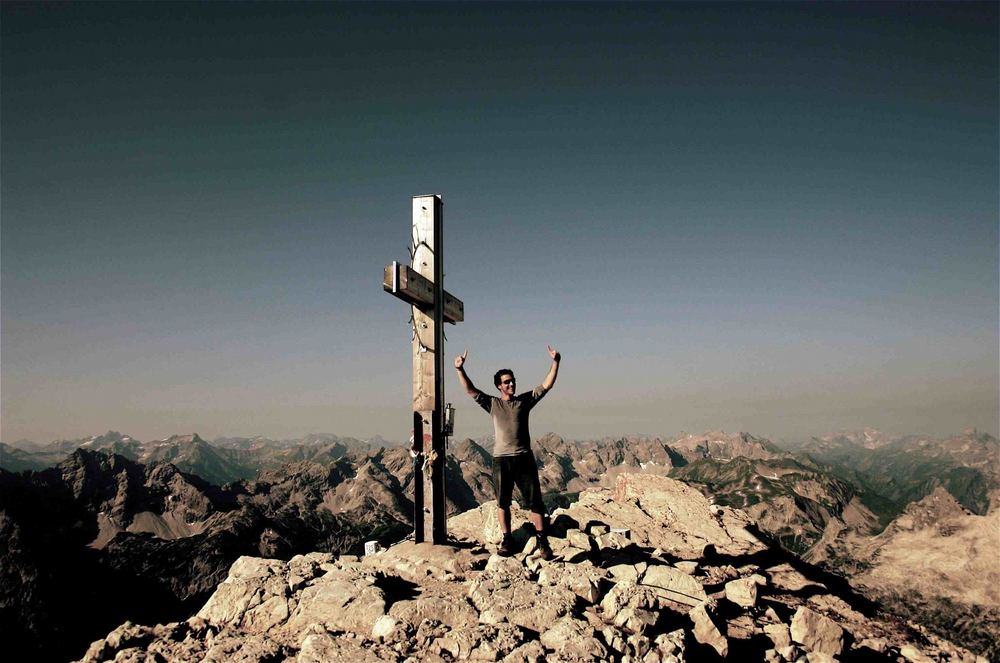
[[780, 219]]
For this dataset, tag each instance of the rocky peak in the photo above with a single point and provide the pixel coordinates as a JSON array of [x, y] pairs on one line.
[[869, 438], [191, 438], [97, 478], [720, 445], [552, 443], [647, 571], [467, 450], [931, 510]]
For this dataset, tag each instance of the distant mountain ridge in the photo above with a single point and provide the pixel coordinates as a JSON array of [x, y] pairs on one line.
[[907, 468], [221, 461]]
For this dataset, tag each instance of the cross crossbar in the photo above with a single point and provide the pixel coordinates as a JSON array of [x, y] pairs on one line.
[[409, 285]]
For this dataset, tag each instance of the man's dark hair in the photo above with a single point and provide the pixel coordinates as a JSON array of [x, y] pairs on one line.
[[499, 374]]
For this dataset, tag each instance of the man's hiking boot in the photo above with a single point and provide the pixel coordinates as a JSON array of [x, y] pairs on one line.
[[504, 549], [544, 549]]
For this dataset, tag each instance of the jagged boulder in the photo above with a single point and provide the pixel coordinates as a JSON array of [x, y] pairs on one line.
[[574, 639], [784, 576], [453, 611], [630, 605], [583, 579], [482, 525], [779, 635], [666, 514], [256, 589], [322, 647], [340, 603], [742, 592], [816, 632], [707, 632], [672, 584], [483, 642], [505, 587]]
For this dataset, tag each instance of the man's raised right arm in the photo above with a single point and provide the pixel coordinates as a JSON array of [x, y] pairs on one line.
[[470, 388]]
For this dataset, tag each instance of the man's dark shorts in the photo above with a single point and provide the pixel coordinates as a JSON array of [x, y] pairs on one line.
[[519, 470]]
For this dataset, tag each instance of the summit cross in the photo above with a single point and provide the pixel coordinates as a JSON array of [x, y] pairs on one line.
[[422, 286]]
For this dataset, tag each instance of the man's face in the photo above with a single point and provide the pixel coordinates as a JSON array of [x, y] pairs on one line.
[[507, 384]]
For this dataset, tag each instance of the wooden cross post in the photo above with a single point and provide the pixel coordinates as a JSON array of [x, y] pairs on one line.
[[422, 286]]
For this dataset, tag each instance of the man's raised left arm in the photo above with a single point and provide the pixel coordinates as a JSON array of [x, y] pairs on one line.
[[553, 373]]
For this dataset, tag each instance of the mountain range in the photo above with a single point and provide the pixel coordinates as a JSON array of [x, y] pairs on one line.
[[118, 520]]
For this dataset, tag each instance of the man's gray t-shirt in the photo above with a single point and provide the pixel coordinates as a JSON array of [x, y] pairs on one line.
[[510, 420]]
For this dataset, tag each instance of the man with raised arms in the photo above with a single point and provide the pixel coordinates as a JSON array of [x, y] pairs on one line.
[[513, 461]]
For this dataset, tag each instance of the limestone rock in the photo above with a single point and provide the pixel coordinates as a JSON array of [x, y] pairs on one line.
[[455, 612], [876, 644], [530, 652], [339, 605], [578, 539], [303, 568], [741, 627], [251, 582], [670, 645], [598, 529], [509, 567], [623, 572], [482, 525], [386, 628], [525, 603], [674, 585], [706, 632], [742, 592], [686, 566], [611, 540], [491, 616], [816, 632], [250, 649], [819, 657], [712, 575], [779, 635], [833, 605], [624, 599], [582, 579], [573, 639], [686, 522], [323, 647], [418, 561], [483, 642], [785, 577], [912, 653]]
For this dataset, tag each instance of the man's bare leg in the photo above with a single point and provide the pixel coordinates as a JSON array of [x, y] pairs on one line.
[[503, 515], [538, 520]]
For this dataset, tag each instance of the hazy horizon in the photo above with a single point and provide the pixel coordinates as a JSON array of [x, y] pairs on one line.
[[773, 218]]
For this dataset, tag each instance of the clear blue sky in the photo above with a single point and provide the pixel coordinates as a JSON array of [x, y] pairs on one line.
[[774, 218]]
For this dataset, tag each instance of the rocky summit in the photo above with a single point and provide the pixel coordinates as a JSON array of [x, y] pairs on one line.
[[647, 570]]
